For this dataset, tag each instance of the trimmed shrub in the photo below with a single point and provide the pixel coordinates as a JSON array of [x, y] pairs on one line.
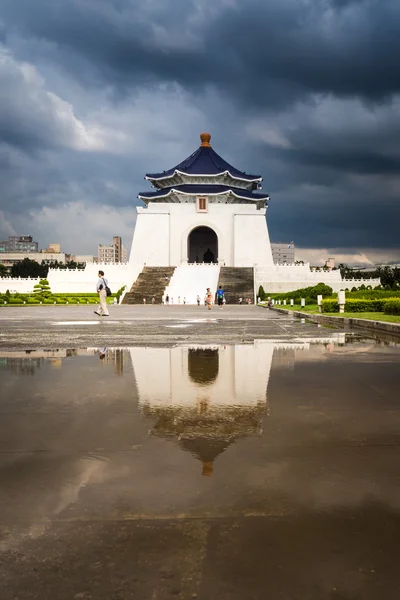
[[310, 292], [61, 300], [76, 295], [354, 305], [261, 293], [12, 300], [330, 305], [48, 301], [72, 300], [33, 300], [392, 307]]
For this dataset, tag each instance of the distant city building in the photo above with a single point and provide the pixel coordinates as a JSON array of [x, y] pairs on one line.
[[283, 253], [111, 253], [21, 243], [124, 255], [8, 259], [117, 243], [330, 263], [105, 254], [53, 248], [83, 258]]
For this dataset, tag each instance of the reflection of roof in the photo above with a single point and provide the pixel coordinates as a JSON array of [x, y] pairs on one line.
[[208, 433], [195, 189], [204, 161]]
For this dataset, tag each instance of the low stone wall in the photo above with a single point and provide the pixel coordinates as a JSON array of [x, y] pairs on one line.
[[78, 281], [377, 327]]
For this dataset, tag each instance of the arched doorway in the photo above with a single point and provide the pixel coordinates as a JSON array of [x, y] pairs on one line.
[[203, 245], [203, 365]]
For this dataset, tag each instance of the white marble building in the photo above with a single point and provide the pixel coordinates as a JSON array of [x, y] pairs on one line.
[[203, 212]]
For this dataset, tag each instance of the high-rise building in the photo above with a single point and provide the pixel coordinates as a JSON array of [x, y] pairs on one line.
[[111, 253], [105, 253], [283, 253], [19, 243], [117, 243]]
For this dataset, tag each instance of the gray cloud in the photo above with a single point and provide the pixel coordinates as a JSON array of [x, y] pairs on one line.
[[95, 93]]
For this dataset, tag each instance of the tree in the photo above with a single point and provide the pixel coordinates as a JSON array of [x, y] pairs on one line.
[[42, 288], [3, 270], [261, 293], [28, 268]]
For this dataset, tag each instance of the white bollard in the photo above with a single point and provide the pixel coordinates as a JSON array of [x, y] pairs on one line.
[[303, 302], [341, 300], [319, 302], [291, 302], [284, 302]]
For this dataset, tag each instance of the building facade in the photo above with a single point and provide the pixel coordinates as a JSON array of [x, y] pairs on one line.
[[22, 243], [53, 248], [105, 253], [204, 210], [111, 253], [283, 253]]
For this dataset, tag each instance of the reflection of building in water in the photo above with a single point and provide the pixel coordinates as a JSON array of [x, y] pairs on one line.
[[204, 397]]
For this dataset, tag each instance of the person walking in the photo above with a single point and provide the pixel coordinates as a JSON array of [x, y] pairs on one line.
[[209, 299], [167, 299], [101, 286], [198, 300], [220, 296]]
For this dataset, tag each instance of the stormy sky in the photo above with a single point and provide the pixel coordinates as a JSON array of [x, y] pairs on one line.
[[95, 93]]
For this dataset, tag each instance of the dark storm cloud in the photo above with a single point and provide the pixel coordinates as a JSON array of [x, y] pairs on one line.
[[264, 52], [241, 69]]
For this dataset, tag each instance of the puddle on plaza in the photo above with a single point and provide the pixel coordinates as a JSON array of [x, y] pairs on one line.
[[246, 429]]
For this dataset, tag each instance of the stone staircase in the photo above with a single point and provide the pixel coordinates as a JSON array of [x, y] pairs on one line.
[[151, 283], [237, 282]]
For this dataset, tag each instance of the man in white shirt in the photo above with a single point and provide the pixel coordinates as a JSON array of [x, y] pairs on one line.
[[101, 290]]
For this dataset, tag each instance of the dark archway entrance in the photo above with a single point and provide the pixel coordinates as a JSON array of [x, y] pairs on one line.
[[203, 245], [203, 365]]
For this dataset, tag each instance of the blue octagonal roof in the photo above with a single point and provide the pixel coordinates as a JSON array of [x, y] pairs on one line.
[[204, 161], [194, 189]]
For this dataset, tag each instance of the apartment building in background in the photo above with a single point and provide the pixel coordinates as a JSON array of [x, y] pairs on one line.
[[283, 253], [19, 243], [53, 248], [112, 253]]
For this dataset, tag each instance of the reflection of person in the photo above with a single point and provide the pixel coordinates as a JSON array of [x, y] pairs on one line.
[[102, 353], [209, 298], [102, 283]]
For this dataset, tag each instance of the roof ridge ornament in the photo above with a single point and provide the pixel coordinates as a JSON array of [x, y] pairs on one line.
[[205, 140]]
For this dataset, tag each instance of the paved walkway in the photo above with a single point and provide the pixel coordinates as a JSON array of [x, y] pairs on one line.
[[78, 326]]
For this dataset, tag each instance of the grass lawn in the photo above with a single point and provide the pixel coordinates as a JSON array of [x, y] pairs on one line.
[[371, 316]]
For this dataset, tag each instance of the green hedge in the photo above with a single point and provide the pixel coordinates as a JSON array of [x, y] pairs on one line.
[[370, 294], [392, 307], [310, 293], [358, 305]]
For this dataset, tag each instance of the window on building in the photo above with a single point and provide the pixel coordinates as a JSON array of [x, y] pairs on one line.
[[202, 204]]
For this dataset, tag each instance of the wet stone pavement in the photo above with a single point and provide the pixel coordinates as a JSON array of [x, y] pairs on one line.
[[262, 467], [78, 326]]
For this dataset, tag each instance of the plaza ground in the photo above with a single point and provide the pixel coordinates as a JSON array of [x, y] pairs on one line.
[[78, 326], [102, 487]]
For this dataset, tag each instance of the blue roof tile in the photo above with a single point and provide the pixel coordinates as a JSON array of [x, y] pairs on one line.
[[204, 161], [204, 189]]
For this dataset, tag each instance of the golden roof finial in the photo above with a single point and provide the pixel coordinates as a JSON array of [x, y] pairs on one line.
[[205, 140], [208, 468]]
